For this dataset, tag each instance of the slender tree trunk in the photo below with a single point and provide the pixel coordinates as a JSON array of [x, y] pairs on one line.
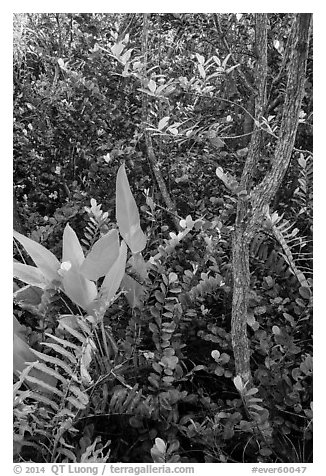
[[148, 139], [241, 283], [241, 238], [251, 212]]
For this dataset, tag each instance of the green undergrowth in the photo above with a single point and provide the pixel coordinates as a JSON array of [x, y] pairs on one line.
[[148, 375]]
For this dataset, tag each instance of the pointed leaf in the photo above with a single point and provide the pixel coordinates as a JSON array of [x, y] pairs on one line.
[[79, 289], [232, 68], [134, 291], [113, 278], [127, 214], [201, 70], [200, 58], [22, 354], [71, 248], [163, 122], [117, 48], [29, 275], [102, 256], [226, 59], [43, 258]]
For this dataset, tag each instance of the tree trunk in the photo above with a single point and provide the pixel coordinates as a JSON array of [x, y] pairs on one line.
[[148, 139], [241, 283], [251, 212]]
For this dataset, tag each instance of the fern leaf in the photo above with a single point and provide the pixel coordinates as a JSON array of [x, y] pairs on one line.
[[44, 368], [42, 384], [82, 397], [61, 351], [63, 342], [71, 331], [64, 413], [126, 404], [207, 285], [47, 401], [56, 361], [289, 257], [79, 405]]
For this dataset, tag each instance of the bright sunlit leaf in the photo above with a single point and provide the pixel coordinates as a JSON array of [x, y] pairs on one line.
[[71, 248], [46, 261], [113, 278], [127, 214], [79, 289], [29, 275], [102, 256]]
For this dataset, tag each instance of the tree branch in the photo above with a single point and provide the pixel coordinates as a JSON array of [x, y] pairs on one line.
[[266, 190], [260, 101]]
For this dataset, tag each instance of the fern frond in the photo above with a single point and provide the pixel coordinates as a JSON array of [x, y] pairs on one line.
[[46, 386], [125, 400], [83, 397], [285, 260], [64, 413], [207, 285], [72, 331], [93, 455], [56, 361], [288, 256], [63, 342], [303, 194], [61, 351], [49, 371], [77, 403], [45, 400], [97, 224]]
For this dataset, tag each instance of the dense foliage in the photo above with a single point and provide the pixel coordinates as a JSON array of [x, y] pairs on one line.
[[144, 369]]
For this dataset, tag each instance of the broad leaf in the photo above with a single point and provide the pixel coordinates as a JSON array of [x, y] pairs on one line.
[[113, 278], [134, 291], [79, 289], [22, 353], [71, 248], [46, 261], [127, 214], [29, 275], [102, 256]]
